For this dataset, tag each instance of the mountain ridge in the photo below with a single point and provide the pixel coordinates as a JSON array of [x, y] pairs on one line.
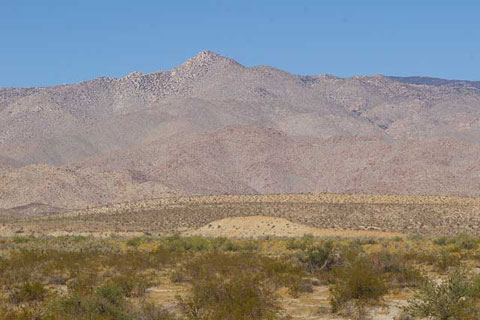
[[212, 126], [207, 57]]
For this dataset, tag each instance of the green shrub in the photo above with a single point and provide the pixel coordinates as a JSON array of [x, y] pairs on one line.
[[407, 276], [451, 299], [475, 287], [297, 285], [112, 292], [300, 244], [23, 313], [415, 237], [397, 269], [177, 243], [273, 272], [283, 274], [358, 280], [466, 242], [386, 261], [441, 241], [83, 282], [317, 257], [20, 239], [249, 245], [132, 284], [444, 260], [134, 242], [108, 303], [149, 311], [29, 292], [224, 244], [461, 241], [241, 297]]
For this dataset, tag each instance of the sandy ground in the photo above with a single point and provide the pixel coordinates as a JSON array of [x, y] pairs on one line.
[[261, 226], [308, 306]]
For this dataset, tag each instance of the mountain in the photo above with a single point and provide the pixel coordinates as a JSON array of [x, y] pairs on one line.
[[213, 126], [437, 82]]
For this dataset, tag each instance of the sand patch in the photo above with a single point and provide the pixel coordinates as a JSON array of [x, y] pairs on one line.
[[262, 226]]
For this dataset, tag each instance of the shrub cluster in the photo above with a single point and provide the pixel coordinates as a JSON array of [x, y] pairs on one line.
[[82, 278], [453, 298]]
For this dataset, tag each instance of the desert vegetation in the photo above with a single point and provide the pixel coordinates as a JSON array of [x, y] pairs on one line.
[[151, 278], [374, 213]]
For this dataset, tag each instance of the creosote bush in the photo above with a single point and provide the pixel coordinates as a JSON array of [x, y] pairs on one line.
[[461, 241], [274, 272], [238, 285], [396, 269], [358, 280], [86, 278], [453, 298], [317, 257], [300, 244], [29, 292], [235, 298]]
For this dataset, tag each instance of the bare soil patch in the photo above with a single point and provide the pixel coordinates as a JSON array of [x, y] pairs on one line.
[[260, 226]]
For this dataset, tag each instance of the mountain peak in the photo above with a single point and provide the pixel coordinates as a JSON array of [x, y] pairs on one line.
[[207, 55], [133, 75], [207, 58]]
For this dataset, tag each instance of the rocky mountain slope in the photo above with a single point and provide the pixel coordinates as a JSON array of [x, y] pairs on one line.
[[213, 126]]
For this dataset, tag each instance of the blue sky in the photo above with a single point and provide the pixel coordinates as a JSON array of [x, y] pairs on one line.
[[64, 41]]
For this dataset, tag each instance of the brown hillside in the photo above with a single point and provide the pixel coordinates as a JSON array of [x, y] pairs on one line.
[[213, 126]]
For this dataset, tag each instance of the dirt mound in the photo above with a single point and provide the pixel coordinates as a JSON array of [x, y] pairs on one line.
[[261, 226], [173, 215]]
